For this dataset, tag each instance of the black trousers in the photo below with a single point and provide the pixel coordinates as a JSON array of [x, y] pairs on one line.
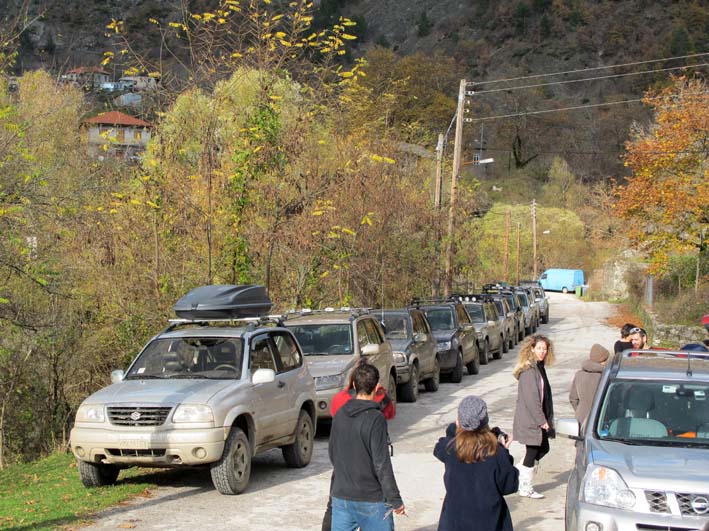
[[535, 453]]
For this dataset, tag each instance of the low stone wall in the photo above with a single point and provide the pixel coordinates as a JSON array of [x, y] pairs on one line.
[[674, 335]]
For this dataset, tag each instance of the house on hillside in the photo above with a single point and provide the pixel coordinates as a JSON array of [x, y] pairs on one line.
[[87, 77], [139, 83], [119, 135]]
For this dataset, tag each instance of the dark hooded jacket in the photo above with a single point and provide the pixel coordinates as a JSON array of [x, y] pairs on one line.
[[475, 491], [359, 453]]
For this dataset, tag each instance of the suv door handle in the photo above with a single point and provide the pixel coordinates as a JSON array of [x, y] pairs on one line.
[[281, 383]]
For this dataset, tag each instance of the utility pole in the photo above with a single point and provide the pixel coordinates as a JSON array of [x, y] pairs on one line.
[[507, 245], [458, 148], [437, 193], [534, 237], [439, 174], [519, 227]]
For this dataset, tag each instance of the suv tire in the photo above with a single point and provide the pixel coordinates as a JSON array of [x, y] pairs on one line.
[[231, 473], [97, 474], [457, 374], [503, 348], [298, 453], [506, 345], [409, 391], [431, 385], [545, 319], [474, 366], [484, 354], [392, 388]]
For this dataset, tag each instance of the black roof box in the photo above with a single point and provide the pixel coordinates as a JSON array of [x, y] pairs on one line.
[[224, 302]]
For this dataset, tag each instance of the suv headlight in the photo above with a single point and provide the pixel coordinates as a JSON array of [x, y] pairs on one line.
[[399, 358], [331, 381], [604, 486], [193, 413], [90, 413], [444, 345]]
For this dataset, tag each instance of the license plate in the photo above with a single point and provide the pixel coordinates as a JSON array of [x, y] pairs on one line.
[[135, 441]]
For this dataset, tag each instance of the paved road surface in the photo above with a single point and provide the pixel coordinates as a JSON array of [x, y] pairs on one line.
[[279, 498]]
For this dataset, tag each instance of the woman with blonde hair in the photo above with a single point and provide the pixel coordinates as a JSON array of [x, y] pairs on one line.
[[478, 472], [534, 413]]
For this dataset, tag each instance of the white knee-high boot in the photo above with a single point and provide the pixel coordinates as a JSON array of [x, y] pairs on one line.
[[526, 478]]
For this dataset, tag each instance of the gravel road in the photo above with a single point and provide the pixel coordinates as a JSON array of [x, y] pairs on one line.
[[279, 498]]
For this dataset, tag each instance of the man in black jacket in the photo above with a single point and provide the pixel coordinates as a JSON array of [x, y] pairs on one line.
[[364, 491]]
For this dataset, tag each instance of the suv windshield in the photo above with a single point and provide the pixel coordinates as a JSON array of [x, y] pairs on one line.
[[189, 357], [476, 312], [522, 297], [440, 318], [661, 412], [395, 326], [324, 339]]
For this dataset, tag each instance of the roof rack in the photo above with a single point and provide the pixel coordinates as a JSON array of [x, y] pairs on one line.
[[354, 312], [416, 301], [251, 322], [473, 297], [496, 288], [679, 355]]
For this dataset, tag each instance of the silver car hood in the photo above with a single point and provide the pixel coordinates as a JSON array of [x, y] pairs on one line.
[[167, 392], [400, 345], [654, 467], [329, 365], [444, 335]]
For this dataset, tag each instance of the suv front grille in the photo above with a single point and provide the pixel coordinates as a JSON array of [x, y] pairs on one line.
[[657, 500], [693, 504], [142, 452], [138, 415]]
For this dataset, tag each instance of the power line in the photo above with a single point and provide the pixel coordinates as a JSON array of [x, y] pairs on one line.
[[476, 93], [588, 69], [589, 106], [570, 152]]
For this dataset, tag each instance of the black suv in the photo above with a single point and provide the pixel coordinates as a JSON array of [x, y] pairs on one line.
[[455, 334]]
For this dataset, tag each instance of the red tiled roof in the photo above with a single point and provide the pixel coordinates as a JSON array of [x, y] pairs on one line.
[[117, 118], [88, 70]]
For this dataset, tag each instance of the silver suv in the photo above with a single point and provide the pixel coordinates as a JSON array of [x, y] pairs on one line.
[[207, 393], [332, 342], [643, 456]]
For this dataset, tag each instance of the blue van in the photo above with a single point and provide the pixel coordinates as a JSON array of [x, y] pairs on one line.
[[563, 280]]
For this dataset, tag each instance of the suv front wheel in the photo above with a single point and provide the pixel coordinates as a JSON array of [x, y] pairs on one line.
[[409, 392], [298, 454], [231, 473], [97, 474]]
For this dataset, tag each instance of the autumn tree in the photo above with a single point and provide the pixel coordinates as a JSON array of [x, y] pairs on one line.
[[666, 199]]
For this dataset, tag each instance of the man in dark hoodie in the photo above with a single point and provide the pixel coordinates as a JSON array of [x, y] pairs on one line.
[[583, 388], [364, 491]]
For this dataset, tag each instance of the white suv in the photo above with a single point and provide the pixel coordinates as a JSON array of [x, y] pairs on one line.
[[211, 392]]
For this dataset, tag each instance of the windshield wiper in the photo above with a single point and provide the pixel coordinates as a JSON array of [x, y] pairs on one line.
[[143, 377], [188, 375]]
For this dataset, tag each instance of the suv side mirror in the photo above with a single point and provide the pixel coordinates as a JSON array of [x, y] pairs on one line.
[[568, 427], [370, 349], [491, 323], [117, 376], [467, 326], [420, 338], [262, 376]]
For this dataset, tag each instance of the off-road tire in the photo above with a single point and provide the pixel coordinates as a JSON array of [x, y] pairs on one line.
[[520, 335], [474, 366], [431, 384], [545, 319], [298, 453], [506, 345], [392, 388], [484, 354], [456, 375], [231, 473], [97, 474], [503, 348], [409, 391]]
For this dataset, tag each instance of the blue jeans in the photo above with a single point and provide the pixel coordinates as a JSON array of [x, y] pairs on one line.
[[349, 515]]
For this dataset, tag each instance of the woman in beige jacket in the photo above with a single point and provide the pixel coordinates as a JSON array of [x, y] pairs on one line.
[[534, 412]]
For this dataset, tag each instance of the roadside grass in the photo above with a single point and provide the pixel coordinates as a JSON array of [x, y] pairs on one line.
[[47, 494]]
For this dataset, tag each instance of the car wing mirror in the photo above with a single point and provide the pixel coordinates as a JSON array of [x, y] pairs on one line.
[[370, 349], [117, 376], [569, 428], [491, 323], [420, 338], [262, 376]]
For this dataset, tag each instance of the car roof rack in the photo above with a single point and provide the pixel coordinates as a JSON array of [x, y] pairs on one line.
[[250, 322], [473, 297], [497, 288], [621, 358], [354, 312], [416, 301]]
